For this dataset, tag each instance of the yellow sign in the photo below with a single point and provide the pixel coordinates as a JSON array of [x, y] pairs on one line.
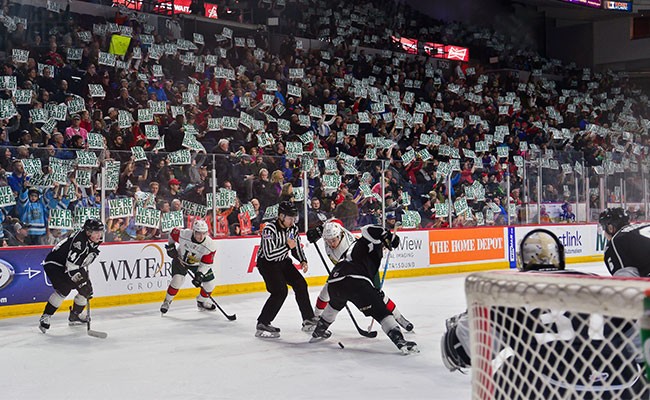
[[119, 44]]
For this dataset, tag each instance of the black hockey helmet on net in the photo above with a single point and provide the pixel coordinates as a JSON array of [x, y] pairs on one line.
[[93, 224], [287, 208], [541, 250], [616, 217]]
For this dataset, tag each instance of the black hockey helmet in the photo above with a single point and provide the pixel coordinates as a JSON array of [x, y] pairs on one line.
[[616, 217], [287, 208], [93, 224]]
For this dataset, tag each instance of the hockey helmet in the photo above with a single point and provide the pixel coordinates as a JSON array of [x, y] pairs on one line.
[[541, 250], [332, 230], [93, 225], [617, 217], [200, 226], [287, 208]]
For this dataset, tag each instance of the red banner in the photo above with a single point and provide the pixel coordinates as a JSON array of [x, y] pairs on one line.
[[408, 45], [180, 6], [447, 52]]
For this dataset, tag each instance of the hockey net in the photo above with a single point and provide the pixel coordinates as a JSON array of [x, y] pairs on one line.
[[543, 336]]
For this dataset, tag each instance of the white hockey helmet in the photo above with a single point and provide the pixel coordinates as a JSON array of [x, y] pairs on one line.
[[200, 226], [541, 250], [331, 230]]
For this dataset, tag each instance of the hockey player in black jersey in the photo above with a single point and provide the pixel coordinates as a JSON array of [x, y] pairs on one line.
[[628, 245], [352, 280], [66, 267]]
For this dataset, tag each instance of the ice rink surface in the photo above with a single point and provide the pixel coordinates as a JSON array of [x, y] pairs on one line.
[[189, 354]]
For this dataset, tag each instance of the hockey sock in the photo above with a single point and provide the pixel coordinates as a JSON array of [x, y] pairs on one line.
[[204, 295], [53, 303], [76, 308], [390, 306], [329, 314], [177, 282], [388, 324], [320, 305], [171, 292], [81, 301]]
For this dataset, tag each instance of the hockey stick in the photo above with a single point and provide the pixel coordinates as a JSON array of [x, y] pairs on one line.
[[383, 274], [230, 317], [91, 332], [368, 333]]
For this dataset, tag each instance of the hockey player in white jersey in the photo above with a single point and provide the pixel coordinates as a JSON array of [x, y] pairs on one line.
[[191, 249], [337, 241]]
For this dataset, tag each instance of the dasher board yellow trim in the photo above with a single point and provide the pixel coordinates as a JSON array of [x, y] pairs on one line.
[[585, 259], [239, 288], [149, 297]]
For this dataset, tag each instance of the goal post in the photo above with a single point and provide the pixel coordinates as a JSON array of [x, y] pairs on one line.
[[555, 336]]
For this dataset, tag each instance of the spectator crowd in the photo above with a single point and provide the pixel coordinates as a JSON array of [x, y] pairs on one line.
[[354, 127]]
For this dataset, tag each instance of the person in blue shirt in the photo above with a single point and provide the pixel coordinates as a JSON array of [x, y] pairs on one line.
[[17, 178], [158, 90], [33, 213]]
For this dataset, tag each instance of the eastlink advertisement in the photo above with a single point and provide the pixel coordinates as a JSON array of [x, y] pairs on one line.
[[579, 240]]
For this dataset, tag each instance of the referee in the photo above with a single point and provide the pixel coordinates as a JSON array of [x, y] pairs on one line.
[[274, 264]]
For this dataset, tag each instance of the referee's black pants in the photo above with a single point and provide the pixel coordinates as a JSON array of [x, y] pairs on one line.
[[277, 275]]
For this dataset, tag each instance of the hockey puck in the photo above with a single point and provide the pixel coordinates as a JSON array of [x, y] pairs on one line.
[[341, 345]]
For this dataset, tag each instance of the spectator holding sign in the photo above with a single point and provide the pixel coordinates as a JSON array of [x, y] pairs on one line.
[[33, 213]]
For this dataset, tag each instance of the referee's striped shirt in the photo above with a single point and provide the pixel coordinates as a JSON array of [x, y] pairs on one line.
[[274, 243]]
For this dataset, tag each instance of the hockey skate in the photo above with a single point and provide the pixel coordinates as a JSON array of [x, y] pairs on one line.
[[267, 331], [309, 325], [76, 317], [320, 332], [205, 306], [165, 307], [404, 323], [405, 346], [44, 322]]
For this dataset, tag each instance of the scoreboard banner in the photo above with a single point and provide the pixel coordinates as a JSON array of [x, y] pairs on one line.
[[587, 3]]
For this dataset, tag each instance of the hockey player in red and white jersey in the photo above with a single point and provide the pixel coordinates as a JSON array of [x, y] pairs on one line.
[[337, 241], [191, 249]]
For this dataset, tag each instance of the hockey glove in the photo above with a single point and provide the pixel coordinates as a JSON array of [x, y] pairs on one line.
[[198, 279], [85, 289], [171, 250], [390, 240], [78, 276], [82, 282], [314, 234]]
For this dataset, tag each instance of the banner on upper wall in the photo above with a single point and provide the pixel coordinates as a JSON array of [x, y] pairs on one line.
[[164, 7]]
